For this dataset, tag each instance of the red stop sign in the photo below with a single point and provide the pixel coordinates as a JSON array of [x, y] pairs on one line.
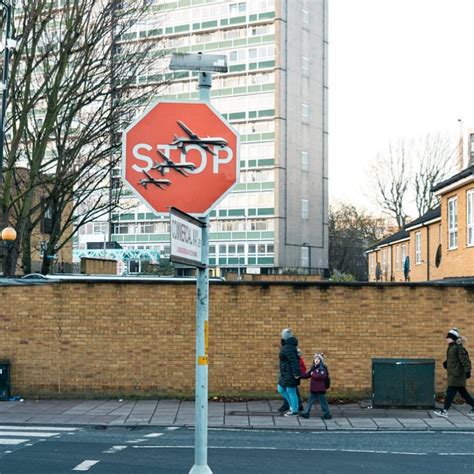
[[180, 154]]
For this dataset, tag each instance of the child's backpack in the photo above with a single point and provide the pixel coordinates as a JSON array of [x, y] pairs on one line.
[[327, 380], [302, 365]]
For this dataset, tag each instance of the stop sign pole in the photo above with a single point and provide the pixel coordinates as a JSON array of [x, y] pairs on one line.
[[204, 64], [202, 321]]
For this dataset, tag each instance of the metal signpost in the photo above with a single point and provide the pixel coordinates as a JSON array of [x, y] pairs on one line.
[[185, 155]]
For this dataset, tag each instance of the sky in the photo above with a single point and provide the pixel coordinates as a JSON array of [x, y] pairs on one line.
[[397, 69]]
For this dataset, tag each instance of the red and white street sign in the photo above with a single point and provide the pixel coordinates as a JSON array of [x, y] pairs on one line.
[[180, 154]]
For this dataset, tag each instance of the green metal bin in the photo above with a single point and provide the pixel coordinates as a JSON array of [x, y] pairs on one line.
[[4, 381], [403, 383]]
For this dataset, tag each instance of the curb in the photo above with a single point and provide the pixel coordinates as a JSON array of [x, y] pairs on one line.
[[134, 426]]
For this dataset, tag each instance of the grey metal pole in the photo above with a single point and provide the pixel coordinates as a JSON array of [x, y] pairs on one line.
[[202, 319], [6, 63]]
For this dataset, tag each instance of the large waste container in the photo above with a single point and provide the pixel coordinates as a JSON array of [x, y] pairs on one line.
[[403, 383], [4, 381]]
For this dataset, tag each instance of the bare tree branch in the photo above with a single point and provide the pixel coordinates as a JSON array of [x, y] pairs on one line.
[[73, 85]]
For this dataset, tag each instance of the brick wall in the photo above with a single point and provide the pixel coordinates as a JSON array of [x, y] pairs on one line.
[[103, 339], [98, 266]]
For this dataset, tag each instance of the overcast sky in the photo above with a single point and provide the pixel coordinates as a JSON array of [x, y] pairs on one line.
[[397, 69]]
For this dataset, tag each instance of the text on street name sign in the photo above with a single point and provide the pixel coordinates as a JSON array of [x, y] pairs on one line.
[[186, 238]]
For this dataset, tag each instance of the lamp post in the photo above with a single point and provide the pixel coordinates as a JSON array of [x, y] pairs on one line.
[[9, 44], [8, 236]]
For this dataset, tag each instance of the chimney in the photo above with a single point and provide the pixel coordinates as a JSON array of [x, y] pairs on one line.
[[460, 153], [471, 147]]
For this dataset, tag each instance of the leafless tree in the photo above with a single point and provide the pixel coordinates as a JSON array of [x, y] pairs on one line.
[[72, 89], [434, 157], [391, 174], [406, 172]]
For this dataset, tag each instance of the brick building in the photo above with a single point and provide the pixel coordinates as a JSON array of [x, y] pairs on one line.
[[437, 245]]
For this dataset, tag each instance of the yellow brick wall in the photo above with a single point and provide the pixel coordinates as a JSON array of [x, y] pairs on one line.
[[104, 339]]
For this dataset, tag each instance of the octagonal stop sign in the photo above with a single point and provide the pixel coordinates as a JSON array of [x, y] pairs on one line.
[[180, 154]]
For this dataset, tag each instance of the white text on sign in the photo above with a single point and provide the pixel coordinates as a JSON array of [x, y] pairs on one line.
[[143, 154]]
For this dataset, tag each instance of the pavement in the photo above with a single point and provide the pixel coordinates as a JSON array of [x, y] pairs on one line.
[[262, 414]]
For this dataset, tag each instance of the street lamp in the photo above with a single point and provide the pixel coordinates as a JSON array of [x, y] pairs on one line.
[[8, 236], [8, 46]]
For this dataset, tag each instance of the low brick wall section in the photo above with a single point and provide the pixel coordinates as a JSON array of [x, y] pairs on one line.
[[98, 266], [103, 339]]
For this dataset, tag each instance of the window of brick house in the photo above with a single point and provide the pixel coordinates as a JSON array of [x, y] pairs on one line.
[[470, 217], [418, 248], [453, 223], [397, 258]]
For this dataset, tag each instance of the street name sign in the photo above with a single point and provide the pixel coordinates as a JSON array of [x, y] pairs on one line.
[[186, 238]]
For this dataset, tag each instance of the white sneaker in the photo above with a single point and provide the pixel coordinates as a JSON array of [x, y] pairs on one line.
[[471, 413], [442, 413], [291, 413]]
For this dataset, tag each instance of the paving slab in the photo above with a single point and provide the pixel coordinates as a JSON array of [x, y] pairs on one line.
[[387, 422]]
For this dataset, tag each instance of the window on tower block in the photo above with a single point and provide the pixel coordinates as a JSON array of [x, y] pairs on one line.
[[304, 209]]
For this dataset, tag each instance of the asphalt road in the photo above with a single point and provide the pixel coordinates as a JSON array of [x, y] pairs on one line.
[[118, 450]]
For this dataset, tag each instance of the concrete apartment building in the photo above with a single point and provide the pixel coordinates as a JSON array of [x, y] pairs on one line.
[[275, 96]]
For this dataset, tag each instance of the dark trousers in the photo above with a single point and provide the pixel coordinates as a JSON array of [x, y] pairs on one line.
[[313, 397], [451, 393]]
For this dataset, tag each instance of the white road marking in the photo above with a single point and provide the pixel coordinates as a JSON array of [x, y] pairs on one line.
[[153, 435], [406, 453], [456, 454], [115, 449], [458, 432], [85, 465], [173, 428], [32, 434], [331, 450], [37, 428], [136, 441], [10, 441]]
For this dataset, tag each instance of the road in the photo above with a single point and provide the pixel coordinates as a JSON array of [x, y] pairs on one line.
[[27, 449]]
